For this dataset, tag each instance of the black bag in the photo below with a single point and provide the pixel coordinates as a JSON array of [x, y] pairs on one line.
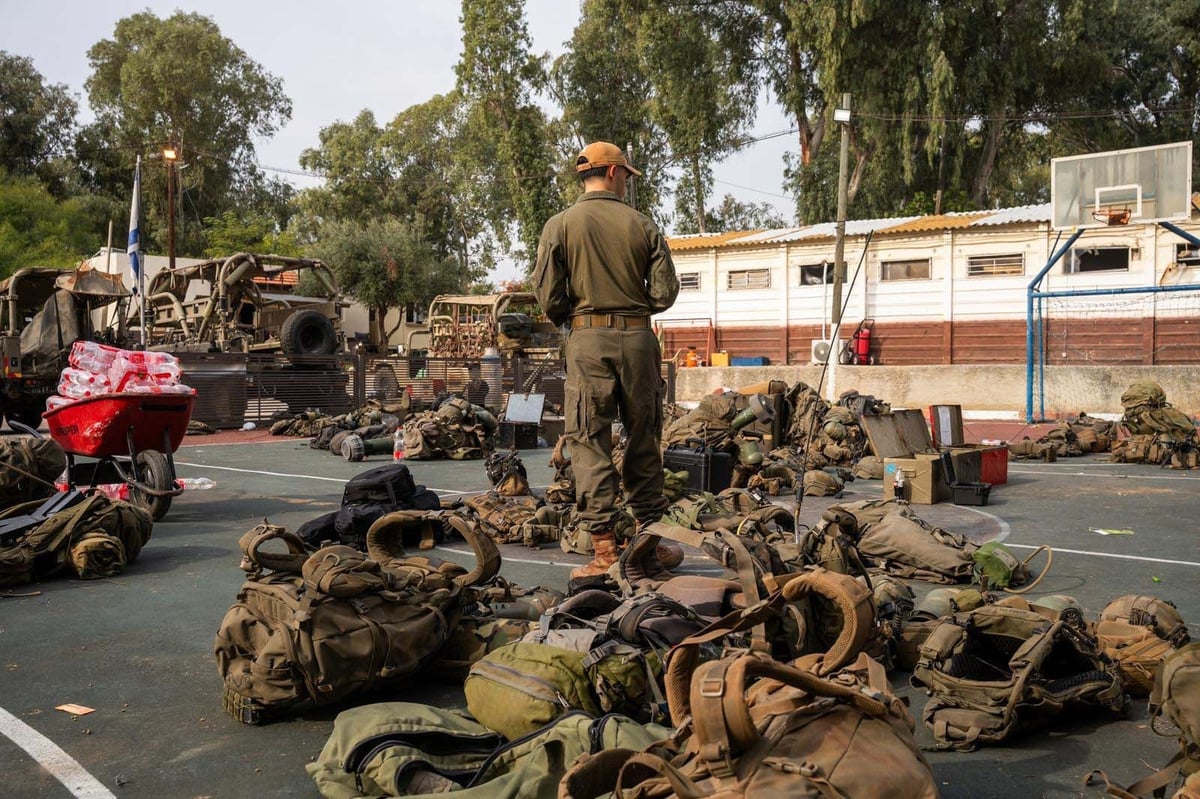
[[708, 469], [392, 484], [316, 532]]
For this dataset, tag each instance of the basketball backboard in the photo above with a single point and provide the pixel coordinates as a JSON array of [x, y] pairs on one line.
[[1139, 185]]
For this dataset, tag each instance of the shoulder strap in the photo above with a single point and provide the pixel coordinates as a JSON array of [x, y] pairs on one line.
[[254, 559], [852, 599], [487, 554], [722, 725]]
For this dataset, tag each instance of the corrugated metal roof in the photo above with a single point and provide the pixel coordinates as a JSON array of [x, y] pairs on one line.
[[854, 227], [1023, 214], [703, 241], [1017, 215], [928, 224]]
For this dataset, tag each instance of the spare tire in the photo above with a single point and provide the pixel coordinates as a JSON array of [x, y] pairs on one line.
[[308, 332]]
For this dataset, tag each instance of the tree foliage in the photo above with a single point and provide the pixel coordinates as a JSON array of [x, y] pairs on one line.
[[505, 133], [385, 263], [179, 82], [37, 229], [37, 122]]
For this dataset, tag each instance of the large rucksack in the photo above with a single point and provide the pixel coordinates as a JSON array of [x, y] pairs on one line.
[[594, 652], [894, 539], [94, 537], [315, 629], [405, 749], [1174, 711], [765, 730], [997, 668], [1137, 632], [367, 497], [28, 468]]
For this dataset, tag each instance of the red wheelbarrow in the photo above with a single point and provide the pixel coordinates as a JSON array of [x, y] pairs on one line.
[[131, 436]]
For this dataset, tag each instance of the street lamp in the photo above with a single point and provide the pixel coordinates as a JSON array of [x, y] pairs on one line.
[[170, 156]]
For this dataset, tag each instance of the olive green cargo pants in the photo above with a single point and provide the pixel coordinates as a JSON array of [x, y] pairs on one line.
[[610, 373]]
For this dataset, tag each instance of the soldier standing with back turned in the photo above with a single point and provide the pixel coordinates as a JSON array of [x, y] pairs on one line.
[[604, 268]]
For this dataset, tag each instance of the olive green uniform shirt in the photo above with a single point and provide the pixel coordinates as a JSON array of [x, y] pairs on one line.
[[601, 256]]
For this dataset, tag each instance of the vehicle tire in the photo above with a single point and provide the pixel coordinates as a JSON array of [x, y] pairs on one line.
[[156, 473], [308, 332], [27, 414]]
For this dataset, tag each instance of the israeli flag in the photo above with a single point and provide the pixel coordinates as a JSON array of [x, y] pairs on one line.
[[134, 249]]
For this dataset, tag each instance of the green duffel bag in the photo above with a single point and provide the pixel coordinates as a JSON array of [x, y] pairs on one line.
[[405, 749], [523, 686]]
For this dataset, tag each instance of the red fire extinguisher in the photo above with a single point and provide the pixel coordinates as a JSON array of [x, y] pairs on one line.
[[862, 342]]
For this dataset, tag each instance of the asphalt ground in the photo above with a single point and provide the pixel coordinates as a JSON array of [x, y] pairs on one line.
[[138, 648]]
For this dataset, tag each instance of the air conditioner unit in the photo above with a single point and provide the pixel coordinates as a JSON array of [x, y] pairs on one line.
[[819, 351]]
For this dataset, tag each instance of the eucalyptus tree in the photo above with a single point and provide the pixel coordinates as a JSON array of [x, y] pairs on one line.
[[505, 134], [177, 81], [37, 123]]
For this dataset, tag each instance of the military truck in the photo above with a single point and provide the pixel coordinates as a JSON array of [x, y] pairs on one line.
[[461, 328], [43, 311], [466, 326], [245, 303], [225, 305]]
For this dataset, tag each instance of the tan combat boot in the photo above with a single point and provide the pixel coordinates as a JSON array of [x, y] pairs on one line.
[[604, 550]]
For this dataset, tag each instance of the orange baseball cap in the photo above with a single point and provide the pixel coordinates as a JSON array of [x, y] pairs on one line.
[[602, 153]]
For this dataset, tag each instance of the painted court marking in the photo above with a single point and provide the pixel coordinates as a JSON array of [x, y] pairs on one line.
[[51, 757], [1005, 530], [1115, 555]]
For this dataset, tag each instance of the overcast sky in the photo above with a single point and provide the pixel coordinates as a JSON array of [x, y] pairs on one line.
[[337, 58]]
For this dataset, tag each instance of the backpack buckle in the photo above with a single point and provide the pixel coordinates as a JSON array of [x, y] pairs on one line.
[[712, 687]]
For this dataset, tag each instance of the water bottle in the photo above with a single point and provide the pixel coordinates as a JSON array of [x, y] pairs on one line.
[[398, 445], [195, 483], [80, 377], [56, 401], [92, 356]]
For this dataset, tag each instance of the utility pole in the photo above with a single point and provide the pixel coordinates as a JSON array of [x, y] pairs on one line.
[[631, 183], [170, 155], [841, 116]]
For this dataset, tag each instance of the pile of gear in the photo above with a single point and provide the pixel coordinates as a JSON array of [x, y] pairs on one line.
[[1159, 433], [453, 428], [758, 683], [45, 532]]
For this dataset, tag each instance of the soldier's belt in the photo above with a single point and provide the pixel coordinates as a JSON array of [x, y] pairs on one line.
[[615, 321]]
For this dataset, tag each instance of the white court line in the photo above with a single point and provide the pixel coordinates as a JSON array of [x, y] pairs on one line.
[[1110, 476], [440, 491], [1112, 555], [51, 757]]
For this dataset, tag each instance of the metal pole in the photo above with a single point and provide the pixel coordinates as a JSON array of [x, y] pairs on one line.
[[171, 213], [631, 183], [839, 252]]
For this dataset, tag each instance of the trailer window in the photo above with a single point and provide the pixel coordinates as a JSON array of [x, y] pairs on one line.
[[917, 269], [990, 265], [749, 279], [689, 281], [1097, 259], [816, 274]]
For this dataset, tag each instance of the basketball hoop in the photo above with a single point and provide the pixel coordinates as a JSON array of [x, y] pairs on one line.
[[1113, 216]]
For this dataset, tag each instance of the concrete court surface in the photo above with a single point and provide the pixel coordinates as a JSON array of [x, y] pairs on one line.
[[137, 648]]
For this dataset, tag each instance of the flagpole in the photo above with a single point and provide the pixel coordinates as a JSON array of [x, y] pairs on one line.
[[134, 249]]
